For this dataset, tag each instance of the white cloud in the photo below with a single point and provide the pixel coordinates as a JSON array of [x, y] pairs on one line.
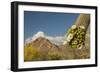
[[54, 39], [37, 35], [28, 40]]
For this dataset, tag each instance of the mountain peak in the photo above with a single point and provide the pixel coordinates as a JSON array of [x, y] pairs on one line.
[[38, 34], [43, 44]]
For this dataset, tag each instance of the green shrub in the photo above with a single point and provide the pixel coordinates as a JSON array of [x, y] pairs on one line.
[[54, 56], [30, 53]]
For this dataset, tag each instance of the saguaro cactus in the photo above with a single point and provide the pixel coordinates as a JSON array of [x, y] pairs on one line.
[[83, 20], [76, 34]]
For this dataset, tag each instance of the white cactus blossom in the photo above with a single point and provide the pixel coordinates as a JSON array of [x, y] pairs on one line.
[[80, 47], [65, 42], [74, 27], [82, 27], [69, 37]]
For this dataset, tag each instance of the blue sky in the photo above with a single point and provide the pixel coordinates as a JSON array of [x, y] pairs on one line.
[[52, 24]]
